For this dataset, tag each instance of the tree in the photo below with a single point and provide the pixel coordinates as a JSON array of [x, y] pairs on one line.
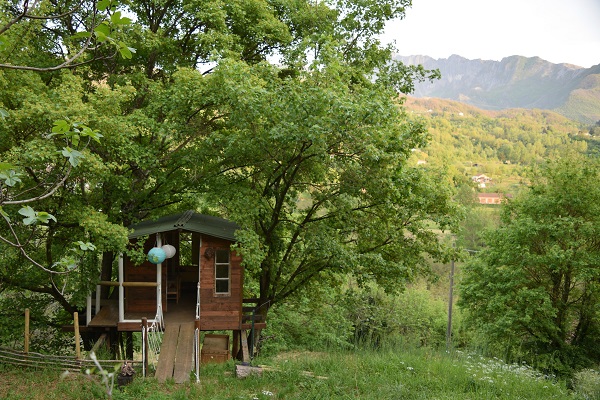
[[537, 284], [311, 162], [307, 155], [43, 37]]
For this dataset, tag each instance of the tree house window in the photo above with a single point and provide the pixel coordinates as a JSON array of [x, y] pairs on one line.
[[222, 272]]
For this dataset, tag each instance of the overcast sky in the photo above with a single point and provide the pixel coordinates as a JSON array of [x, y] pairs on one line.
[[559, 31]]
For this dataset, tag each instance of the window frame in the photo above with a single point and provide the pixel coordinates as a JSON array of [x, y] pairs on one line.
[[228, 278]]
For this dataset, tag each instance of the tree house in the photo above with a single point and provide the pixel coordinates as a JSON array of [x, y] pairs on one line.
[[202, 283]]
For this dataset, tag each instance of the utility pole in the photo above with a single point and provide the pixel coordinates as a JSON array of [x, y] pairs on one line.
[[450, 301]]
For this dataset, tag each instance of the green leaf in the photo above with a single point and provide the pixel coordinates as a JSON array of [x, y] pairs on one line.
[[32, 217], [10, 177], [117, 20], [91, 133], [3, 43], [3, 113], [87, 246], [125, 53], [29, 214], [103, 5], [102, 32], [80, 35], [45, 217], [61, 127], [73, 155]]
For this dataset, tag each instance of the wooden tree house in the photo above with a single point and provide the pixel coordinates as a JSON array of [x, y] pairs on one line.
[[201, 284]]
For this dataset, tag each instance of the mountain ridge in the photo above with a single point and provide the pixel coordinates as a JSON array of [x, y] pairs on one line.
[[514, 82]]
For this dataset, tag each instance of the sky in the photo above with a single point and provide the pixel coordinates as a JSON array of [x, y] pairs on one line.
[[559, 31]]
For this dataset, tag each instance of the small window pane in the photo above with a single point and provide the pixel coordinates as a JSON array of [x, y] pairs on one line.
[[222, 286], [222, 271], [222, 257]]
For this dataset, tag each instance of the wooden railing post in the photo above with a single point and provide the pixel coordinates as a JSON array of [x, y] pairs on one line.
[[197, 350], [76, 329], [145, 343], [26, 330]]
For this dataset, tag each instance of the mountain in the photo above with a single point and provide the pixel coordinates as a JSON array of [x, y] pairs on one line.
[[514, 82]]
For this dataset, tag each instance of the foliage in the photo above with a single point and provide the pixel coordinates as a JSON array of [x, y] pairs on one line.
[[315, 321], [313, 169], [354, 317], [587, 383], [72, 35], [535, 287]]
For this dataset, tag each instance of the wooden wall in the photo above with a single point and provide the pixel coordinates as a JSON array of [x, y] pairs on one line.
[[219, 311]]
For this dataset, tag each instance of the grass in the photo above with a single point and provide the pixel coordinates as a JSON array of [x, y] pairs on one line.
[[412, 374]]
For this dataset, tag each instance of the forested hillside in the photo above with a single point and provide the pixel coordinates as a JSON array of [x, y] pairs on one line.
[[501, 144]]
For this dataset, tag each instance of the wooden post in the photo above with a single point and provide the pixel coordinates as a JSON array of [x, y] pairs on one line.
[[197, 355], [98, 297], [159, 284], [88, 309], [26, 330], [76, 328], [145, 343], [129, 346], [236, 345], [121, 290]]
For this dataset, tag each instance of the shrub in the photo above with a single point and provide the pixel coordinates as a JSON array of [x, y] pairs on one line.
[[586, 383]]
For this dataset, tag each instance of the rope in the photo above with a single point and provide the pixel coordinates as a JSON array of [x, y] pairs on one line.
[[155, 336]]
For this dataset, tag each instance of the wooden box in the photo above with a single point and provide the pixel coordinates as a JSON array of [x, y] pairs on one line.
[[215, 348]]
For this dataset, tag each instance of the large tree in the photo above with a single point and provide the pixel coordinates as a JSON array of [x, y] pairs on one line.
[[311, 160], [537, 284], [308, 154]]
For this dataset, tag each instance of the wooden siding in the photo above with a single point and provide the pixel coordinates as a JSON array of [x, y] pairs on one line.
[[218, 311]]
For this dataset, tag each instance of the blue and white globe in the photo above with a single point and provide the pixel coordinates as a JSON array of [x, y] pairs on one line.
[[156, 255]]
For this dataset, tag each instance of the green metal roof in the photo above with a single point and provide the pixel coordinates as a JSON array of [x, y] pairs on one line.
[[187, 221]]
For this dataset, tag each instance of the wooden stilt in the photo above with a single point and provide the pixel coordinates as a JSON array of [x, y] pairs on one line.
[[26, 330], [129, 345], [236, 345], [76, 326], [145, 343], [245, 352]]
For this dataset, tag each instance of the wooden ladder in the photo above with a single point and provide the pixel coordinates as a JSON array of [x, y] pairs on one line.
[[176, 359]]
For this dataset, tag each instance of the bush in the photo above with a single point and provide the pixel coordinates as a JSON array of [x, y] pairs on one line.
[[586, 383], [355, 317]]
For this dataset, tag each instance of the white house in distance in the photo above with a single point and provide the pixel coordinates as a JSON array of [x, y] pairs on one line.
[[481, 180]]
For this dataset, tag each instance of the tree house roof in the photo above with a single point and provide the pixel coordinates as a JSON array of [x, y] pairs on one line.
[[187, 221]]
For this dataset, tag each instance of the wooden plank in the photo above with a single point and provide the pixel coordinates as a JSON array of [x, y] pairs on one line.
[[129, 326], [185, 353], [107, 317], [220, 325], [245, 351], [140, 284], [220, 313], [168, 349]]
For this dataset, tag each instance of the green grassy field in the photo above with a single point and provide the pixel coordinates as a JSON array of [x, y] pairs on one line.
[[412, 374]]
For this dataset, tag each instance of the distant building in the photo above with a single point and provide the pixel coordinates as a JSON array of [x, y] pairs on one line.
[[481, 180], [492, 198]]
